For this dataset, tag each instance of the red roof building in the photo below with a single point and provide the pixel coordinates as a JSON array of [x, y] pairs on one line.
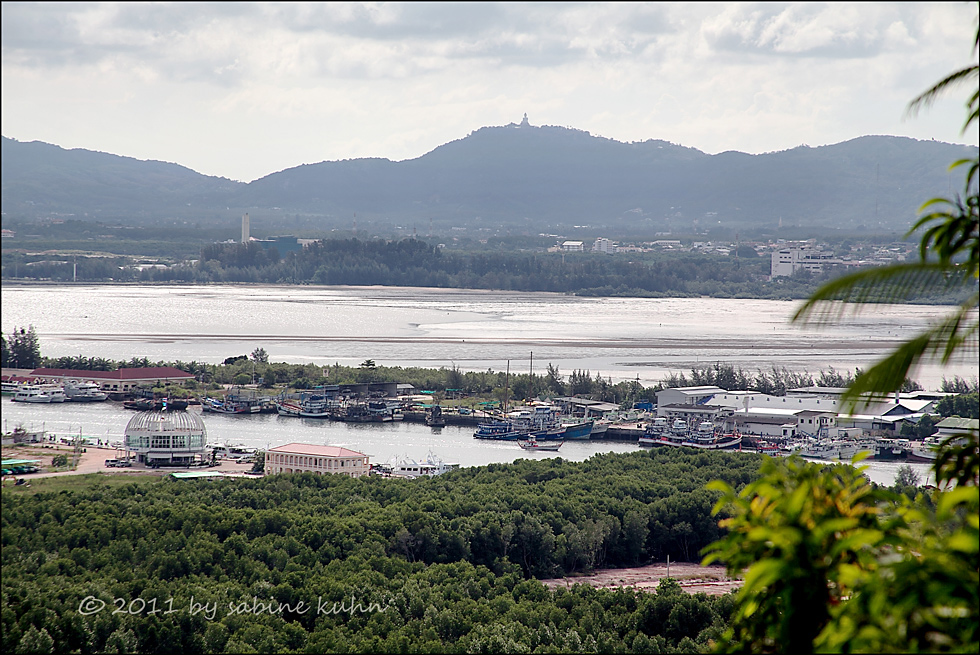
[[123, 379]]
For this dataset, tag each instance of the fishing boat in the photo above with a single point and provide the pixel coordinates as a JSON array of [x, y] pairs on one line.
[[383, 411], [313, 405], [924, 451], [232, 404], [533, 444], [703, 437], [543, 423], [434, 417], [654, 432]]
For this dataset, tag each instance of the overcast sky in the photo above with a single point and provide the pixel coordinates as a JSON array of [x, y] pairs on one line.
[[244, 90]]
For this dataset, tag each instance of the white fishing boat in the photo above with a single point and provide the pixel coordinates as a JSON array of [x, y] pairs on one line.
[[533, 444]]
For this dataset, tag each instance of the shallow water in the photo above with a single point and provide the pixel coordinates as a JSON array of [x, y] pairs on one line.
[[619, 338]]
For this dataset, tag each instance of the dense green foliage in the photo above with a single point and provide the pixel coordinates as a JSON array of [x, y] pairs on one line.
[[835, 564], [965, 405], [21, 350], [451, 558]]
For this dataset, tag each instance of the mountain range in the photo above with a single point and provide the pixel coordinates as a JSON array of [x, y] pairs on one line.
[[515, 176]]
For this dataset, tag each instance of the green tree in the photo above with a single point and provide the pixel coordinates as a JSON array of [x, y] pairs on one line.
[[23, 349], [260, 356], [907, 477]]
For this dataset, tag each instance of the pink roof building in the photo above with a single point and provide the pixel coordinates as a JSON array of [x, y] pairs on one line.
[[303, 457]]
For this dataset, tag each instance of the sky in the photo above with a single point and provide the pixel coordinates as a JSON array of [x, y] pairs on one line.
[[242, 90]]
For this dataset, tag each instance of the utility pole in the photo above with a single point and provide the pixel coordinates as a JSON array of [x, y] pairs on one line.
[[530, 376], [506, 387]]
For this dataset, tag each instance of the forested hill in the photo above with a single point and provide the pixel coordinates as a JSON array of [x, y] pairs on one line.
[[536, 178]]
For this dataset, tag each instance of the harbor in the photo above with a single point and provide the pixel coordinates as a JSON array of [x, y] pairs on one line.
[[102, 424]]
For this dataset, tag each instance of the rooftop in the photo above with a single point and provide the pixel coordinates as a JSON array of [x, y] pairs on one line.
[[150, 373]]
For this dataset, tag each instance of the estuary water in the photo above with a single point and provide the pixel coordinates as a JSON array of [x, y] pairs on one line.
[[640, 339]]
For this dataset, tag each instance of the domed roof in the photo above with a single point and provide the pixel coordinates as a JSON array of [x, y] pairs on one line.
[[171, 421]]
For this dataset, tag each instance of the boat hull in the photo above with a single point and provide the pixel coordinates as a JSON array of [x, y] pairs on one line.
[[727, 442]]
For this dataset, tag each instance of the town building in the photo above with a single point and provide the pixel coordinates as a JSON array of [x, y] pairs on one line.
[[121, 380], [303, 457], [687, 395], [604, 245], [573, 246], [787, 261], [170, 438]]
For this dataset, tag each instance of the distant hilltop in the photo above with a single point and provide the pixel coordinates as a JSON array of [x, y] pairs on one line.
[[535, 178]]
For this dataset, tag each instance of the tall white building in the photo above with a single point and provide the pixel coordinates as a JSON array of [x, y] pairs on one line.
[[790, 260], [603, 244], [245, 228]]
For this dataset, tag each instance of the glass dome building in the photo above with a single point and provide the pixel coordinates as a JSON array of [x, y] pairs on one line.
[[168, 438]]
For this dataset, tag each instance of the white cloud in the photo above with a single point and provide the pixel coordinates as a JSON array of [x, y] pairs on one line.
[[245, 89]]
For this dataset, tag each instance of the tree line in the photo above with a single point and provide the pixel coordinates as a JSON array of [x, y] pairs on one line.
[[414, 262]]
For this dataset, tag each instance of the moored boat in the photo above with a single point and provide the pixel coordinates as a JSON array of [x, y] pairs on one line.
[[428, 467], [434, 417], [532, 443], [703, 437], [542, 422], [306, 406], [924, 451], [232, 404], [55, 392], [31, 393], [81, 391]]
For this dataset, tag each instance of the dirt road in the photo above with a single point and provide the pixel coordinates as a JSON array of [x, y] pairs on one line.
[[693, 578]]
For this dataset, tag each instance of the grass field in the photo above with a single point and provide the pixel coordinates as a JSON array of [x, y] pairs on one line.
[[81, 482]]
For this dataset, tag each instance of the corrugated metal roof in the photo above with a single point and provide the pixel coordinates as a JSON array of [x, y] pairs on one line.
[[185, 475]]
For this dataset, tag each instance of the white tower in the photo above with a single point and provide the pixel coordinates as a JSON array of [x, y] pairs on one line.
[[245, 228]]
